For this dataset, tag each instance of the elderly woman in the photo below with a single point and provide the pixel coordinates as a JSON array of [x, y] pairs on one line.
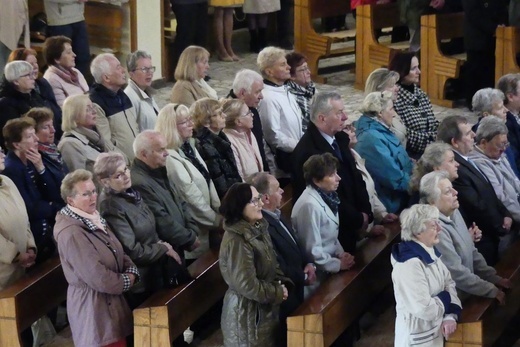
[[279, 111], [381, 215], [239, 122], [188, 173], [24, 165], [45, 133], [413, 105], [133, 224], [381, 80], [17, 245], [213, 144], [467, 266], [95, 266], [190, 72], [248, 264], [426, 299], [301, 85], [139, 88], [62, 74], [386, 159], [315, 219]]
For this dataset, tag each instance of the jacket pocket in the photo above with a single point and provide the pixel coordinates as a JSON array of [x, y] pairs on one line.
[[419, 338]]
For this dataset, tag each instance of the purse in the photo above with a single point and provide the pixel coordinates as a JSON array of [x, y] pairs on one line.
[[173, 273]]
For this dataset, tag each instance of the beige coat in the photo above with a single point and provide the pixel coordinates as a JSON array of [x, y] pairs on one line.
[[186, 93], [15, 234], [246, 151], [14, 20]]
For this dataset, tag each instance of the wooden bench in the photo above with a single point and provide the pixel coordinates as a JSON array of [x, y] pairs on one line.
[[164, 317], [370, 52], [507, 47], [287, 203], [343, 297], [29, 299], [319, 45], [437, 67], [483, 320]]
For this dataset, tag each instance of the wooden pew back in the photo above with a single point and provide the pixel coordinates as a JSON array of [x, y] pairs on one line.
[[343, 297], [30, 298], [507, 47]]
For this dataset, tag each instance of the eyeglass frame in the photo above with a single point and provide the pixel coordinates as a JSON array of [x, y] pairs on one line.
[[256, 201], [151, 69], [87, 194]]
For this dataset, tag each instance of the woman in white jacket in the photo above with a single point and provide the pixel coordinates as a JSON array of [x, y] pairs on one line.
[[426, 299]]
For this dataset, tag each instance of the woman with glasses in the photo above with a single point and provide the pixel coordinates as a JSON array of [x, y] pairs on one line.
[[239, 123], [315, 219], [62, 74], [188, 172], [96, 268], [139, 88], [248, 264], [213, 144]]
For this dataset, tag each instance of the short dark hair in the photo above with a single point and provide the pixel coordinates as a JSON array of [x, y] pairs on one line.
[[234, 202], [13, 130], [261, 181], [53, 47], [449, 128], [294, 60], [401, 63], [319, 166], [40, 115]]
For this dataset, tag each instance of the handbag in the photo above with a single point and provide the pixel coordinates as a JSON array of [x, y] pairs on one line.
[[173, 273]]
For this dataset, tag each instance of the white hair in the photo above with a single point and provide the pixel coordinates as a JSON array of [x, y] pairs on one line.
[[429, 190], [244, 79], [414, 219], [16, 69], [143, 141], [100, 66]]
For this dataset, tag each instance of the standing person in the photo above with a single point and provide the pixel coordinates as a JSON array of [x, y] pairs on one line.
[[96, 268], [223, 24], [257, 15], [248, 264], [67, 18], [14, 22], [427, 304]]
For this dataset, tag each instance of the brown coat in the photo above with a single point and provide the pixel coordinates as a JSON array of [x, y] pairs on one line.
[[186, 93], [97, 310]]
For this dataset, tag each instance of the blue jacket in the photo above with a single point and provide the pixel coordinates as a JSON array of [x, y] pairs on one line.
[[386, 160]]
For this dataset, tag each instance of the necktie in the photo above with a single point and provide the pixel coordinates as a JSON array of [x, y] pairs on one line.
[[337, 152]]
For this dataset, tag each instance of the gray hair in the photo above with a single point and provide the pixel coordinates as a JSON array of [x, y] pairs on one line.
[[376, 102], [380, 79], [414, 219], [489, 127], [432, 157], [429, 190], [268, 57], [132, 58], [69, 182], [321, 104], [484, 99], [244, 79], [100, 66], [107, 163], [16, 69], [143, 141], [508, 84], [261, 181]]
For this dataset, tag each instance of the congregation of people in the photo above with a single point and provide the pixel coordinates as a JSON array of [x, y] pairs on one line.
[[119, 188]]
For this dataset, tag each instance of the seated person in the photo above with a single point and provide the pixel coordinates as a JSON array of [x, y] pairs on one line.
[[510, 85], [239, 123], [24, 166]]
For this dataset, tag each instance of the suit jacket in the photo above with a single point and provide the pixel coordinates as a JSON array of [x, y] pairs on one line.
[[292, 260], [352, 190], [513, 136]]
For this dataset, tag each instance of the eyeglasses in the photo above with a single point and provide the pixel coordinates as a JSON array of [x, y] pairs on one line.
[[30, 75], [146, 69], [256, 201], [119, 175], [249, 113], [186, 121], [504, 145], [88, 193]]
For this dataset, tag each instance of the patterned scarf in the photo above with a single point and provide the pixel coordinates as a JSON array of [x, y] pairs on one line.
[[304, 97], [51, 150], [93, 222], [129, 194], [190, 154], [331, 199]]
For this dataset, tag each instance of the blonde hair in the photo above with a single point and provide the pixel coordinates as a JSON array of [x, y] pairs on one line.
[[376, 102], [186, 69], [268, 57], [74, 111], [202, 110], [231, 108], [166, 124]]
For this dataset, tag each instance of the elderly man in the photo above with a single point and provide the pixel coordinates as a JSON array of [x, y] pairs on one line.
[[290, 256], [478, 201], [174, 224], [324, 134], [510, 85], [139, 90], [248, 86], [116, 117]]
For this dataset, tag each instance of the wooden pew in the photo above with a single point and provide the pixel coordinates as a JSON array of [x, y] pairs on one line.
[[483, 320], [30, 298], [507, 47], [342, 298], [370, 53], [437, 67], [319, 45], [287, 203], [164, 317]]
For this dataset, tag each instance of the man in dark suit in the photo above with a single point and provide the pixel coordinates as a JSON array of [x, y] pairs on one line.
[[325, 134], [510, 85], [292, 259], [478, 201]]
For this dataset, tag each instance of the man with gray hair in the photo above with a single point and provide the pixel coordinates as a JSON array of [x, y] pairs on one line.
[[174, 224], [248, 86], [139, 90], [324, 134], [116, 117], [510, 85]]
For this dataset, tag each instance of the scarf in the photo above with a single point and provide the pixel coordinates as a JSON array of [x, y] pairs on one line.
[[331, 199], [92, 221], [129, 194], [94, 139], [303, 97], [190, 155], [51, 150], [207, 89], [68, 75]]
